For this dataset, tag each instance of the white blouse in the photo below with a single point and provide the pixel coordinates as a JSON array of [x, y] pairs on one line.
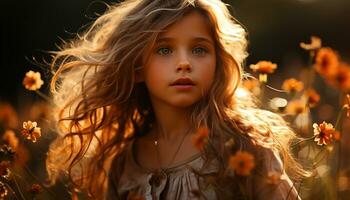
[[181, 181]]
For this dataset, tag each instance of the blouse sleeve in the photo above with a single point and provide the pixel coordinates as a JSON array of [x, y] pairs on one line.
[[272, 182]]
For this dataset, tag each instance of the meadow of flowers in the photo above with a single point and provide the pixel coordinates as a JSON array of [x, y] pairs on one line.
[[315, 102]]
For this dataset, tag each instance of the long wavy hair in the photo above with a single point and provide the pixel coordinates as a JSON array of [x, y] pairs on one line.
[[100, 106]]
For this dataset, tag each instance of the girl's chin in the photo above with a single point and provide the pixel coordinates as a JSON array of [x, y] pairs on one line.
[[184, 103]]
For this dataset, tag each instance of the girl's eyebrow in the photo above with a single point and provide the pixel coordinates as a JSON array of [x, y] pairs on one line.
[[195, 39]]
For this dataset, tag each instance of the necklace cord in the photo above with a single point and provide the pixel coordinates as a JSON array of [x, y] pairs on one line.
[[156, 143]]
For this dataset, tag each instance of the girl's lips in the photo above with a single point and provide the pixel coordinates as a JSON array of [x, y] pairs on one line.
[[183, 87], [182, 82]]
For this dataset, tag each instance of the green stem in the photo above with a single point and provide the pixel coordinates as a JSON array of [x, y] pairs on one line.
[[339, 164], [339, 117], [303, 140], [43, 95], [19, 189], [311, 77], [242, 189], [36, 179], [318, 154], [13, 192], [262, 92]]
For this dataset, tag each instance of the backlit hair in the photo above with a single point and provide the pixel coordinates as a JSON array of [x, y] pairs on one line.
[[100, 107]]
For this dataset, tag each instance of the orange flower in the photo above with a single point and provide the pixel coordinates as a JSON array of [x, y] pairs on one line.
[[341, 79], [31, 131], [347, 105], [323, 133], [242, 163], [316, 43], [326, 62], [252, 85], [35, 189], [274, 177], [292, 85], [264, 67], [296, 107], [32, 80], [10, 138], [312, 97], [336, 135], [200, 139]]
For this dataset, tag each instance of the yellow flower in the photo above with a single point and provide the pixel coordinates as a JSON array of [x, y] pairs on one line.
[[292, 85], [326, 62], [264, 67], [31, 131], [312, 97], [316, 43], [296, 107], [323, 133], [242, 163], [32, 80], [200, 139]]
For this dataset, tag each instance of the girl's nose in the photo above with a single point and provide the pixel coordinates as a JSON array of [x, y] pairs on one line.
[[183, 64], [184, 67]]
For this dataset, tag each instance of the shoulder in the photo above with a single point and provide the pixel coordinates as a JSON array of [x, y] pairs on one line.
[[269, 159], [270, 180]]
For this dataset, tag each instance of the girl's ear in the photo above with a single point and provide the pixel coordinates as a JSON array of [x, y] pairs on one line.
[[139, 75]]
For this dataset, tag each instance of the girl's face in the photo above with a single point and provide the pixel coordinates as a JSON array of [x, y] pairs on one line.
[[181, 66]]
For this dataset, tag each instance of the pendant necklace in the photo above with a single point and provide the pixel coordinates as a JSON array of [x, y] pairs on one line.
[[160, 173]]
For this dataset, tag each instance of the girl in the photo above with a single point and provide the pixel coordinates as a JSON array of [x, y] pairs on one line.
[[144, 81]]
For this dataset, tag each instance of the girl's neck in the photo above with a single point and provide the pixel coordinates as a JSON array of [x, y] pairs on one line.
[[171, 122]]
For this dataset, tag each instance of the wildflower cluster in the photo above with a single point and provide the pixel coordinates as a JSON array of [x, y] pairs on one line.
[[303, 97], [13, 153]]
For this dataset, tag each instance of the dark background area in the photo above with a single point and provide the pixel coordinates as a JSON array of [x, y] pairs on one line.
[[32, 27], [29, 28]]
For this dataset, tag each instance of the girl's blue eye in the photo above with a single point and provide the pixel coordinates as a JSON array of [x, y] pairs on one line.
[[199, 50], [164, 51]]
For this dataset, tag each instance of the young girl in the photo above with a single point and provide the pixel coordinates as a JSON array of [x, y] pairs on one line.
[[135, 90]]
